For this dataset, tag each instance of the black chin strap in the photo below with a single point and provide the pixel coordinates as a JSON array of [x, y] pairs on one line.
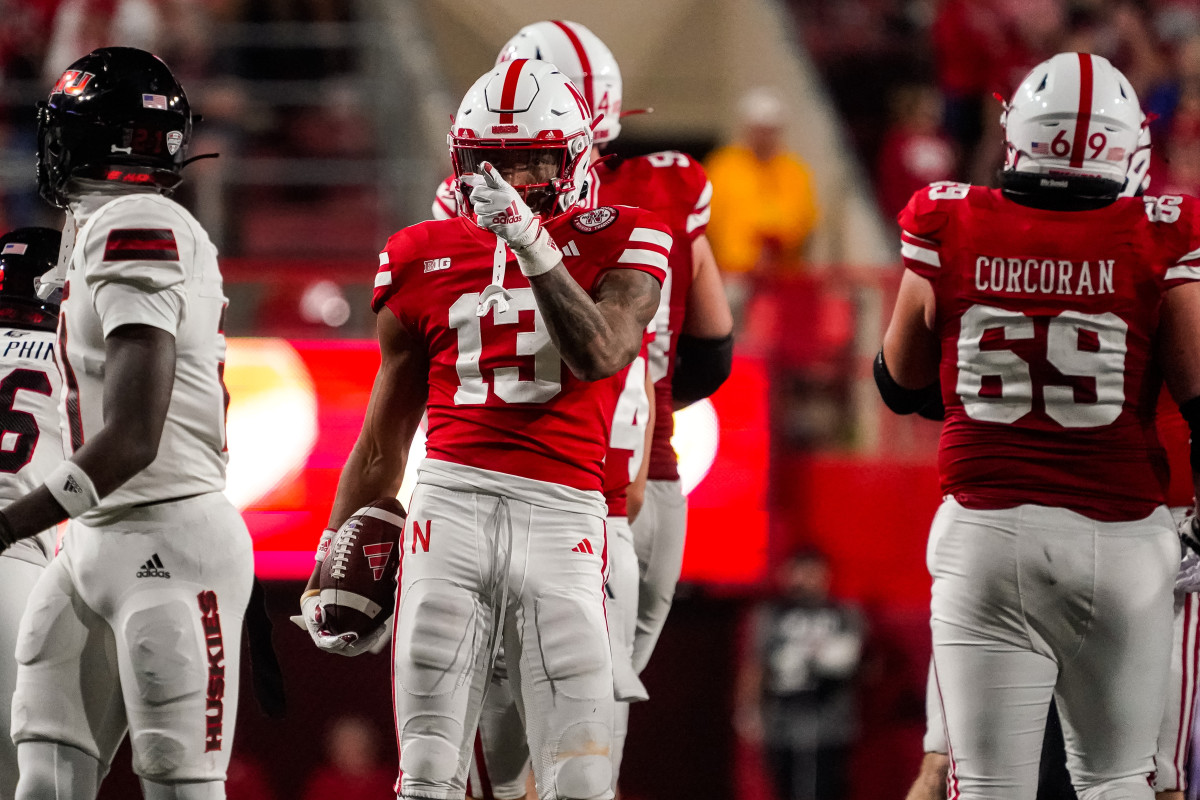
[[1058, 193], [187, 161]]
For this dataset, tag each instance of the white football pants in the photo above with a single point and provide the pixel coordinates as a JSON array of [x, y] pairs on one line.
[[471, 559], [17, 579], [138, 624], [1175, 731], [1031, 602], [501, 763], [658, 537]]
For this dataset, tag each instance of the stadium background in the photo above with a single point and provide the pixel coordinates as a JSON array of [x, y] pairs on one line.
[[330, 118]]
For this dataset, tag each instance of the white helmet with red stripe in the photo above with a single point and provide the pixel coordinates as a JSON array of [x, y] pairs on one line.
[[1073, 116], [583, 58], [525, 109]]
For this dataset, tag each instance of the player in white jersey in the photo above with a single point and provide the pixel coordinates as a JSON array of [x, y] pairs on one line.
[[136, 624], [30, 446]]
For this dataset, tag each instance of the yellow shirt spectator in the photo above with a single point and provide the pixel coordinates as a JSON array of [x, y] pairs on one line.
[[762, 210]]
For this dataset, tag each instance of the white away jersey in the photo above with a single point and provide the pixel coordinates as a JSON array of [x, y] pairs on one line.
[[143, 259], [30, 444]]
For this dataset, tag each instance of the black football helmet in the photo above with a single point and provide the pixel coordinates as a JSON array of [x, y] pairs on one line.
[[117, 114], [25, 255]]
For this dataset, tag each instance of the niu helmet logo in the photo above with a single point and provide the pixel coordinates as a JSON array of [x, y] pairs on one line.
[[377, 556], [72, 83]]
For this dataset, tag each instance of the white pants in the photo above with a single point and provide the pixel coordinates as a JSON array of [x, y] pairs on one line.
[[17, 579], [1031, 602], [139, 624], [501, 763], [468, 557], [658, 537], [1175, 730]]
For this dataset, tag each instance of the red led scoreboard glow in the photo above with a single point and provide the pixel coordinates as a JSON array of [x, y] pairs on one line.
[[296, 410]]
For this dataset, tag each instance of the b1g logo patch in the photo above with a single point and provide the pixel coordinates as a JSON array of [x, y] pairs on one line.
[[595, 220]]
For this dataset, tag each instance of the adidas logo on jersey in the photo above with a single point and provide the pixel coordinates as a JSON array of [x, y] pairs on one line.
[[437, 264], [153, 568], [584, 546], [570, 249]]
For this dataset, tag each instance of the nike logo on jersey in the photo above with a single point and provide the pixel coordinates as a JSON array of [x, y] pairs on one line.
[[570, 249], [584, 546], [433, 265], [153, 568]]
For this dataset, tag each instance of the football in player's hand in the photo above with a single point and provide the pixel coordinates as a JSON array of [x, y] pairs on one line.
[[358, 577]]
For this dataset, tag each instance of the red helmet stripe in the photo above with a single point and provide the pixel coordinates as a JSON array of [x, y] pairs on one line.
[[1083, 117], [584, 64], [579, 101], [508, 96]]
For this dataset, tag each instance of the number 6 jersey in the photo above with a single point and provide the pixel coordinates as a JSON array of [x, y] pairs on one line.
[[500, 397], [1047, 321]]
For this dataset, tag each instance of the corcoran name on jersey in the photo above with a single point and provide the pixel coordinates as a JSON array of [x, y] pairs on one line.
[[141, 244], [1044, 276]]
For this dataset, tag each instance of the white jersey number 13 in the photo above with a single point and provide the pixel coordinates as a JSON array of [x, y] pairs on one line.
[[507, 381]]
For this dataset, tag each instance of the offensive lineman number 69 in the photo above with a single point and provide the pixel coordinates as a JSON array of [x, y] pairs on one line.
[[1104, 362]]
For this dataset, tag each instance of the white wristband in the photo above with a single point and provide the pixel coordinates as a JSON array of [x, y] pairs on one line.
[[72, 488], [323, 545], [539, 256]]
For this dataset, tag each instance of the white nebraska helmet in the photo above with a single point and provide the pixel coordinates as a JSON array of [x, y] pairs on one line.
[[583, 58], [524, 105], [1074, 115]]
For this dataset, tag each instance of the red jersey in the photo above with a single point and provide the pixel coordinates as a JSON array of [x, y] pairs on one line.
[[674, 186], [1047, 321], [500, 397]]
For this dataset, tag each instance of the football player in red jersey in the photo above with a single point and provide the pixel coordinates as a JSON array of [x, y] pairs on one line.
[[515, 364], [1046, 312], [691, 354]]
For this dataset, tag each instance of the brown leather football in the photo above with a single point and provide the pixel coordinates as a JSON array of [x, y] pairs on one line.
[[358, 577]]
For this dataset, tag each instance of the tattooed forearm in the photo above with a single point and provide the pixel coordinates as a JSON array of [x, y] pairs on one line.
[[596, 337]]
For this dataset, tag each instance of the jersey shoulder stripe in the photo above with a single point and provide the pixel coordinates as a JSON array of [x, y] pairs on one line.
[[141, 244]]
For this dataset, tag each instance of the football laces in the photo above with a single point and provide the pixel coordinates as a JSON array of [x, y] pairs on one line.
[[343, 545]]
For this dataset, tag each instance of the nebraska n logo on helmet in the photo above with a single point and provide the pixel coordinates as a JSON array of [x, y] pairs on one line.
[[525, 108], [116, 115], [583, 58], [1074, 127]]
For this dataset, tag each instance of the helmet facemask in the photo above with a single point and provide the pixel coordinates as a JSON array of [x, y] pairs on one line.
[[536, 133]]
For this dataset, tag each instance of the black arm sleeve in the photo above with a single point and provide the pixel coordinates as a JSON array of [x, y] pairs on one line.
[[701, 366], [926, 401], [1190, 411]]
